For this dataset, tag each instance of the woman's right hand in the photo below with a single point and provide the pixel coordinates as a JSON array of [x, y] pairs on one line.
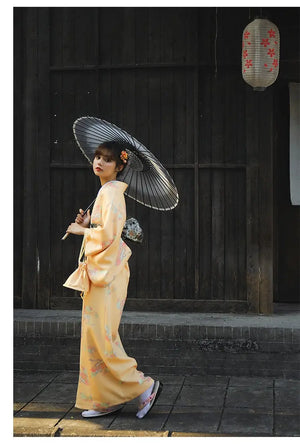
[[83, 220]]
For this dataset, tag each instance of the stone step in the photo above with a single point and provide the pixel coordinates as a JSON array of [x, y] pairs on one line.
[[176, 343]]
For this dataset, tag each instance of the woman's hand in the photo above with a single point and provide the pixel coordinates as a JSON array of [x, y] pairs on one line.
[[76, 229], [83, 220]]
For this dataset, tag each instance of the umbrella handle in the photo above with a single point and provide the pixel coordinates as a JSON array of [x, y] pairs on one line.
[[67, 234]]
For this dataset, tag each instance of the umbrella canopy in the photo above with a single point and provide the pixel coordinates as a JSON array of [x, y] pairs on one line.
[[149, 183]]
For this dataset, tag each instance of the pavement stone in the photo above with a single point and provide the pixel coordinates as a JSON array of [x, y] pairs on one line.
[[252, 381], [26, 391], [201, 396], [249, 397], [246, 421], [18, 406], [287, 399], [36, 429], [287, 425], [169, 394], [155, 422], [111, 433], [169, 379], [188, 406], [213, 380], [41, 417], [67, 377], [58, 392], [175, 434], [287, 383], [194, 419], [38, 376], [74, 424]]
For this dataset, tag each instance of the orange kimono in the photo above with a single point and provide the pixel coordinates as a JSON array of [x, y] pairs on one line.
[[108, 376]]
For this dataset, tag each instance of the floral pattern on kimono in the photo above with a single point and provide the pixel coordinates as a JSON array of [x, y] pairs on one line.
[[108, 376], [105, 251]]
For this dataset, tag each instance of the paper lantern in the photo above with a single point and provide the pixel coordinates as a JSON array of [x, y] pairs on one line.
[[260, 54]]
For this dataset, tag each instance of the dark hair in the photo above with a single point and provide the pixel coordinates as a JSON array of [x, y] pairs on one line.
[[115, 149]]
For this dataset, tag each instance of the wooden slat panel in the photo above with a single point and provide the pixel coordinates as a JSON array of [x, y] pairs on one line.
[[217, 193], [154, 233], [265, 108], [168, 238], [73, 95], [140, 279], [184, 237], [217, 235], [106, 34], [73, 36], [235, 231], [204, 157], [206, 29], [43, 162], [253, 264], [141, 33], [205, 234], [18, 156], [30, 264], [230, 25]]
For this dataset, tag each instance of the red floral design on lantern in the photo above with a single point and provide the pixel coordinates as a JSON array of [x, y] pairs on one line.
[[271, 52], [271, 33], [265, 42], [260, 55]]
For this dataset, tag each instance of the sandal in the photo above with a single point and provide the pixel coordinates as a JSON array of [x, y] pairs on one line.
[[157, 389], [93, 413]]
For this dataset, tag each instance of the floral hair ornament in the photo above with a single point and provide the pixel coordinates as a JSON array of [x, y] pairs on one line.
[[124, 156]]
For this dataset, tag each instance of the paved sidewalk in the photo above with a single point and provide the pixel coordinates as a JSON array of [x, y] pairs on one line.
[[188, 406]]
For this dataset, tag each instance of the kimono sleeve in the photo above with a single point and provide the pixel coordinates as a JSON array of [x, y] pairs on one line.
[[102, 242]]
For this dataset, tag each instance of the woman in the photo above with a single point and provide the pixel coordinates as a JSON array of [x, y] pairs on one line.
[[108, 377]]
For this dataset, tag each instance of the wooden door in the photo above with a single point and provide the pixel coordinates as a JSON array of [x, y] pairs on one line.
[[161, 74]]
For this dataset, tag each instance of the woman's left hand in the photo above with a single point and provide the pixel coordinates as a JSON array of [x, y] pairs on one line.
[[76, 229]]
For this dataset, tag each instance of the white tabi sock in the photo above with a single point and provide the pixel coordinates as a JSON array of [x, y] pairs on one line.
[[141, 399]]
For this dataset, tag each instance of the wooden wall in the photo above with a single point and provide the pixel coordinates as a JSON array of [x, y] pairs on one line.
[[171, 77]]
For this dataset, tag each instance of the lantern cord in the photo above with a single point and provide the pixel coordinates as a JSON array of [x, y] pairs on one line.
[[216, 36]]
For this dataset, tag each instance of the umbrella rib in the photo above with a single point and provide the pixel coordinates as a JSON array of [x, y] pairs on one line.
[[169, 185], [161, 189], [160, 185], [154, 190], [149, 196], [158, 181]]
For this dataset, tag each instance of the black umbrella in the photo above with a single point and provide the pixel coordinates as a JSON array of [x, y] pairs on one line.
[[149, 183]]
